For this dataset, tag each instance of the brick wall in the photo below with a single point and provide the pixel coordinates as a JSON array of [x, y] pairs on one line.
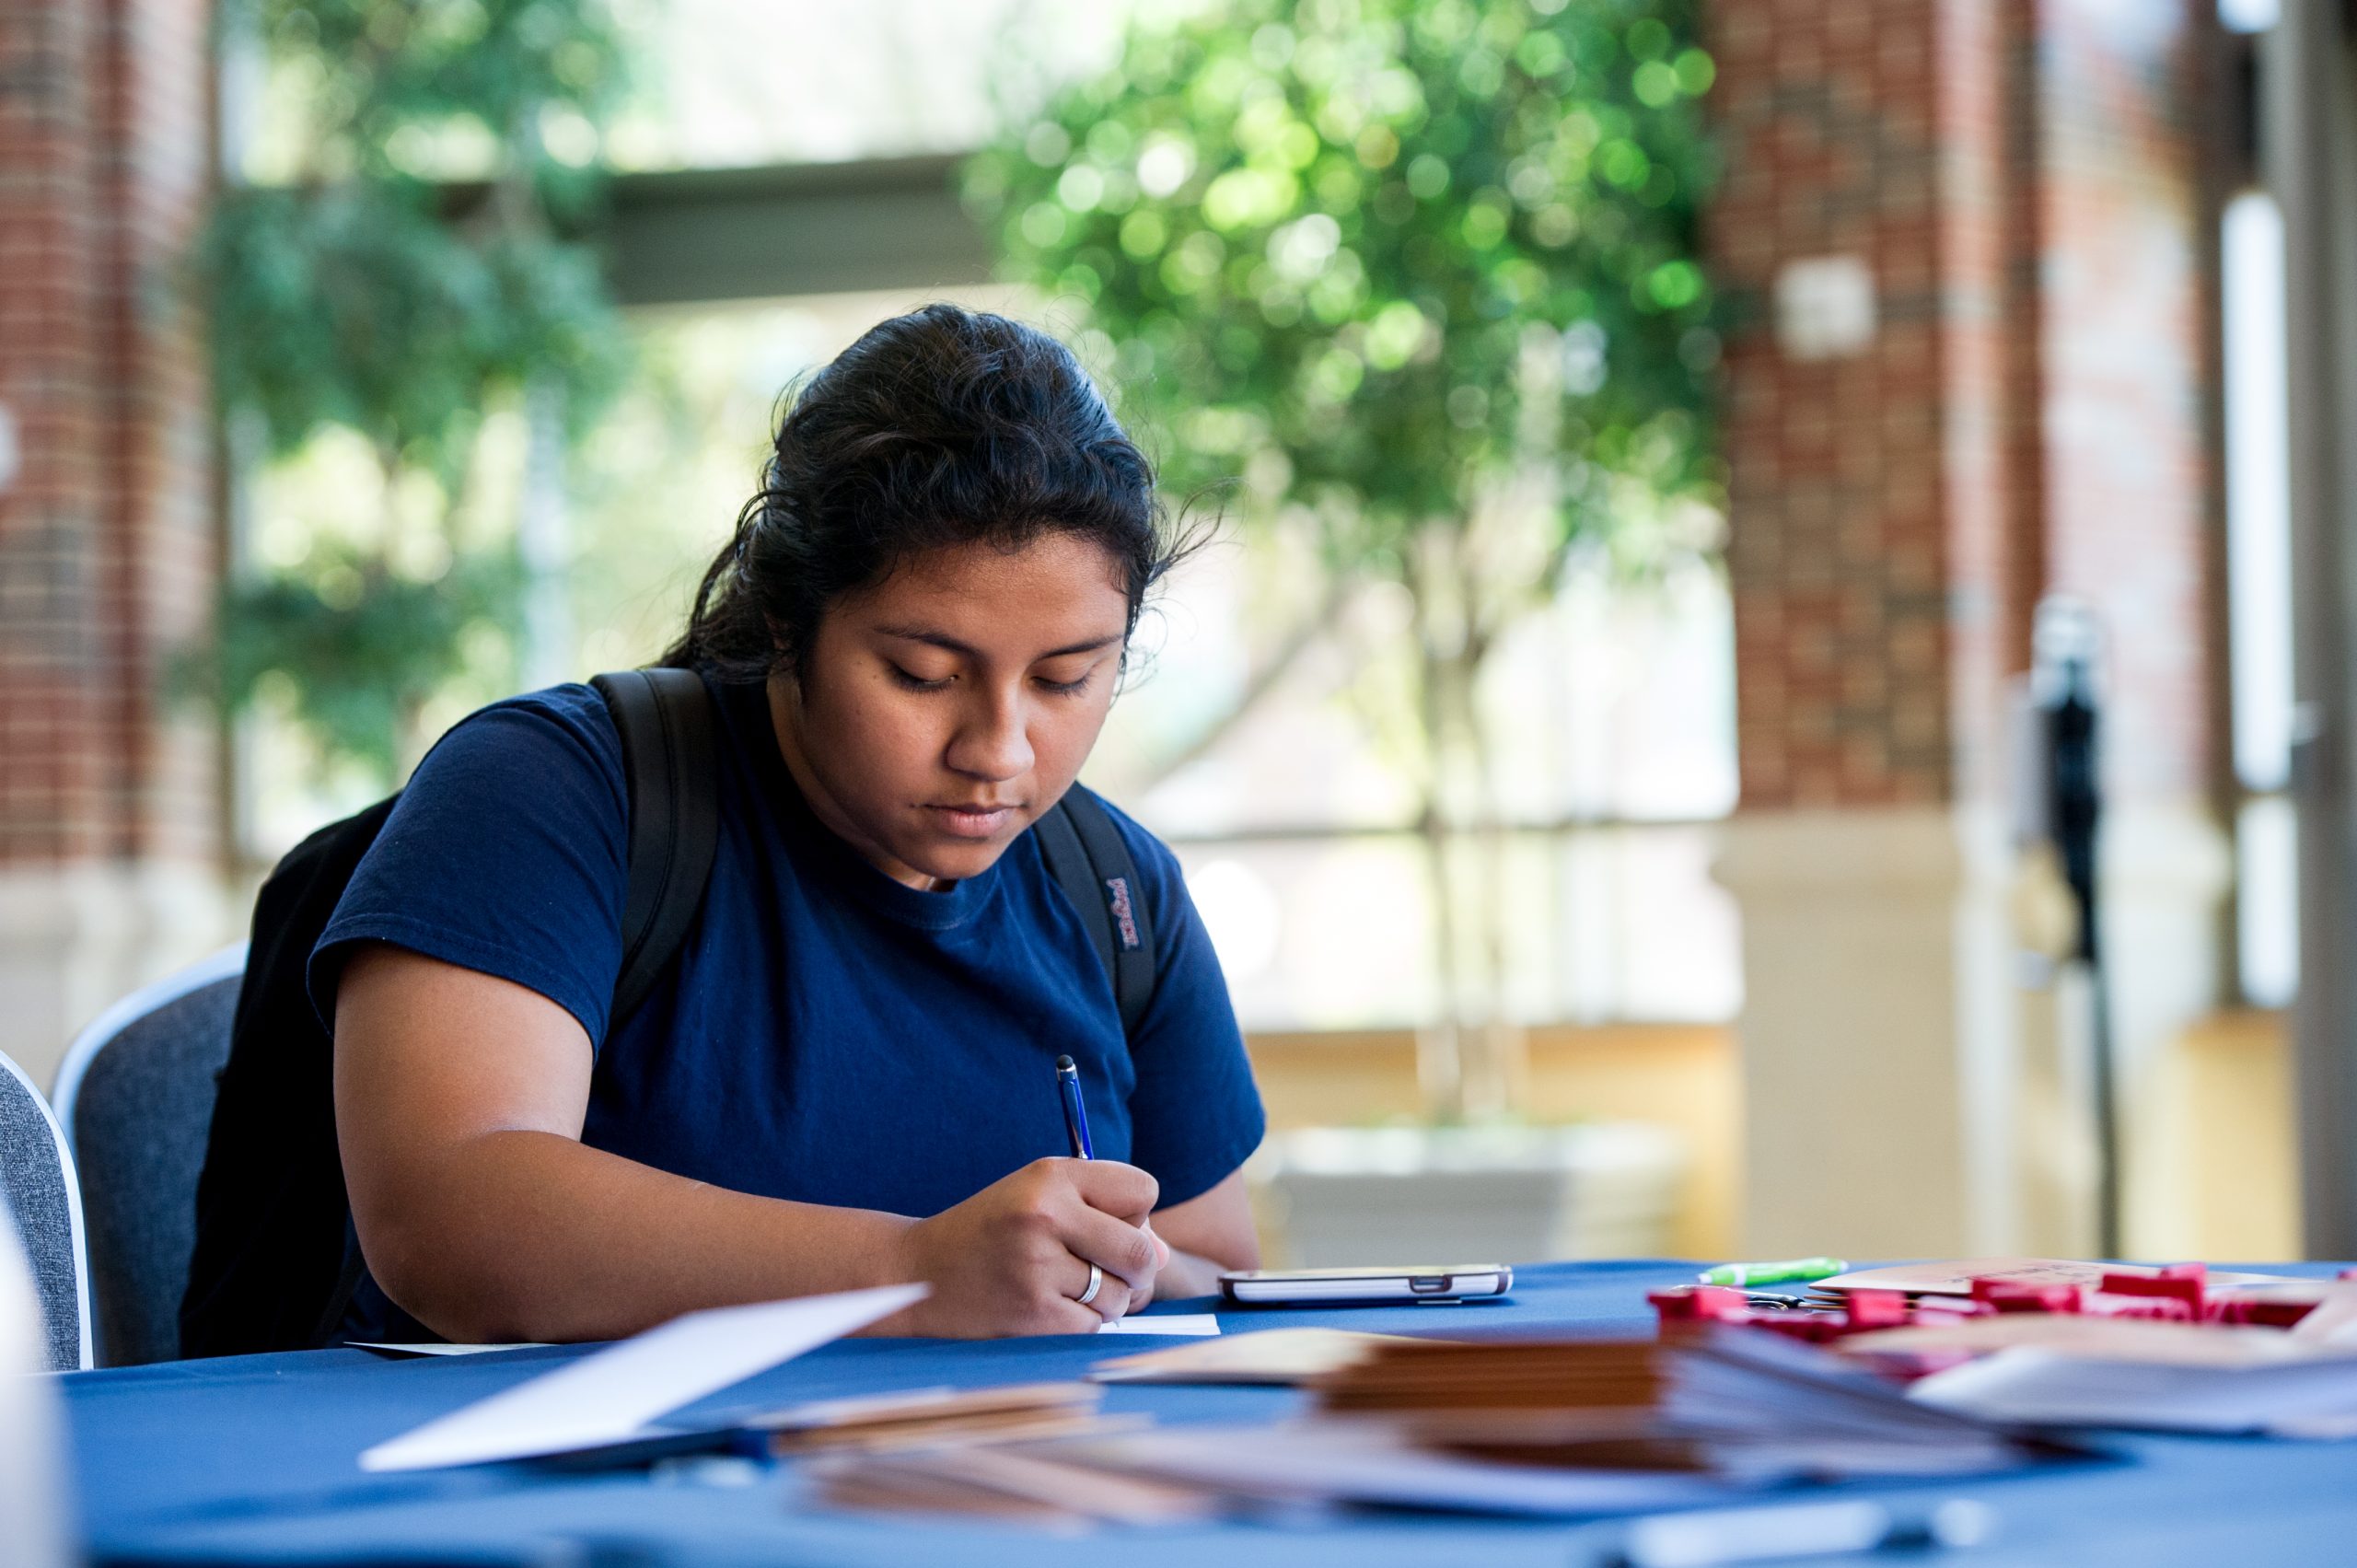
[[1992, 454], [1836, 547], [2030, 415], [107, 533]]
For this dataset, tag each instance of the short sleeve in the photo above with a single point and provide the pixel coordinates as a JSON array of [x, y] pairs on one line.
[[1195, 1113], [507, 854]]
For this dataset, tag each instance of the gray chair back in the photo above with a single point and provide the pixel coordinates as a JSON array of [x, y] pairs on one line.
[[33, 1488], [37, 1180], [135, 1095]]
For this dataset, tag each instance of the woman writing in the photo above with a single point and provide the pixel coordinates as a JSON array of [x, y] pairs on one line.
[[847, 1078]]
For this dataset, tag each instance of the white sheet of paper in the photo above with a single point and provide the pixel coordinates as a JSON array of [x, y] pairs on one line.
[[1194, 1324], [609, 1398], [2331, 1324], [2312, 1395], [439, 1348]]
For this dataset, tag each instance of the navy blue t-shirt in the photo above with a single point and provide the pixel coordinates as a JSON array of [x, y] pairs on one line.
[[827, 1034]]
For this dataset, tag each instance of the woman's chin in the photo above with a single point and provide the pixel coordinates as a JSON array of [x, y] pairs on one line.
[[946, 859]]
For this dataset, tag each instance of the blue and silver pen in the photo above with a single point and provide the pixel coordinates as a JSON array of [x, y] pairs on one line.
[[1075, 1114]]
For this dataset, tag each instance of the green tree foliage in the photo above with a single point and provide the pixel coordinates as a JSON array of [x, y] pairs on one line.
[[404, 277], [1424, 274], [1328, 229], [356, 641]]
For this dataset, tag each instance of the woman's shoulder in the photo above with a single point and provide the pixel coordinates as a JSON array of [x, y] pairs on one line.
[[572, 713], [543, 764], [507, 854], [567, 727]]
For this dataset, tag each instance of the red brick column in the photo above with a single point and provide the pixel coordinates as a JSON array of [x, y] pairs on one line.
[[2030, 415], [108, 524], [1867, 486], [2028, 412]]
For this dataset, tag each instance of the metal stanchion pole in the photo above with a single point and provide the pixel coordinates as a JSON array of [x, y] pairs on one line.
[[2066, 688]]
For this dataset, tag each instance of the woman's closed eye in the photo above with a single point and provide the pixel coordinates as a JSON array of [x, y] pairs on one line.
[[912, 681]]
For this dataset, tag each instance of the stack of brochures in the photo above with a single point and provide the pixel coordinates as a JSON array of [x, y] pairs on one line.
[[1746, 1407], [1563, 1428]]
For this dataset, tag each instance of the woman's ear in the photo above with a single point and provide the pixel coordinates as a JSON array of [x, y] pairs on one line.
[[785, 697]]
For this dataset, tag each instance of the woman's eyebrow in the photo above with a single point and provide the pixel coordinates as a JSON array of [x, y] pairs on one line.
[[943, 641]]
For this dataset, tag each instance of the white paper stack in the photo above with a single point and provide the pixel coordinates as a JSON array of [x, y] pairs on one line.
[[2065, 1370], [2304, 1397], [1573, 1428], [1772, 1409]]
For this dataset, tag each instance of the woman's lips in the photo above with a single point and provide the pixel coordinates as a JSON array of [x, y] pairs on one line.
[[972, 821]]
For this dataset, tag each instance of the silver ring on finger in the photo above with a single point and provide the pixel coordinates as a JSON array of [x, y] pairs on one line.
[[1095, 1283]]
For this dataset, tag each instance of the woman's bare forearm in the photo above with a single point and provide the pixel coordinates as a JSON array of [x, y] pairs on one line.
[[1207, 1235], [459, 1104], [532, 1236], [1188, 1274]]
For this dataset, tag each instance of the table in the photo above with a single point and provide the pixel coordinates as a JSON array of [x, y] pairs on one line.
[[250, 1459]]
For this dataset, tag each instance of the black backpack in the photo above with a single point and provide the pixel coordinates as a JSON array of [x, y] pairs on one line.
[[276, 1261]]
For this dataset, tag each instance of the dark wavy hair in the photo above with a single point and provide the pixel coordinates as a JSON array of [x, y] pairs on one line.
[[938, 428]]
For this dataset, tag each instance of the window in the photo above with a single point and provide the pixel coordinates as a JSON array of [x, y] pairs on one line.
[[2258, 545], [724, 83]]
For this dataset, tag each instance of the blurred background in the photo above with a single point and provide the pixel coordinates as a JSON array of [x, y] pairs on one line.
[[1683, 469]]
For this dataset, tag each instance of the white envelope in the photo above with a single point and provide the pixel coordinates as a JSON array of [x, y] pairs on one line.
[[436, 1347], [609, 1398], [1195, 1325]]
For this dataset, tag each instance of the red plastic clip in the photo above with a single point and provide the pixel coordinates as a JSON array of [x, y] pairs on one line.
[[2259, 1310], [1877, 1309], [1698, 1303], [2013, 1295], [2186, 1284]]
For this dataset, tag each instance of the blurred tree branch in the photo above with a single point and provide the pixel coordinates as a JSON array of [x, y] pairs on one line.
[[347, 293], [1266, 676]]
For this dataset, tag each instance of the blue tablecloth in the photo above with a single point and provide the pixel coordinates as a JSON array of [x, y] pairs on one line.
[[251, 1459]]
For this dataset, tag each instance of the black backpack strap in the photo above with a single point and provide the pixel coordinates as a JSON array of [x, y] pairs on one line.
[[669, 758], [1068, 864], [1090, 859]]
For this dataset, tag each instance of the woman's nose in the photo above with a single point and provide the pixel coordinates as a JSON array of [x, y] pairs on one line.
[[991, 742]]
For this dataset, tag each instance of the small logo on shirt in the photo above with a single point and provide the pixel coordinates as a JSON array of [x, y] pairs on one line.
[[1125, 920]]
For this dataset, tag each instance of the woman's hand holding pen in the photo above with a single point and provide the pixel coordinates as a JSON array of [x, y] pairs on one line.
[[1014, 1258]]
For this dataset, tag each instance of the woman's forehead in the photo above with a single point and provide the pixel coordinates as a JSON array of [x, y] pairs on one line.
[[1055, 591]]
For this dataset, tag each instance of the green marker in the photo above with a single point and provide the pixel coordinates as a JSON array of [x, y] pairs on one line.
[[1787, 1272]]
